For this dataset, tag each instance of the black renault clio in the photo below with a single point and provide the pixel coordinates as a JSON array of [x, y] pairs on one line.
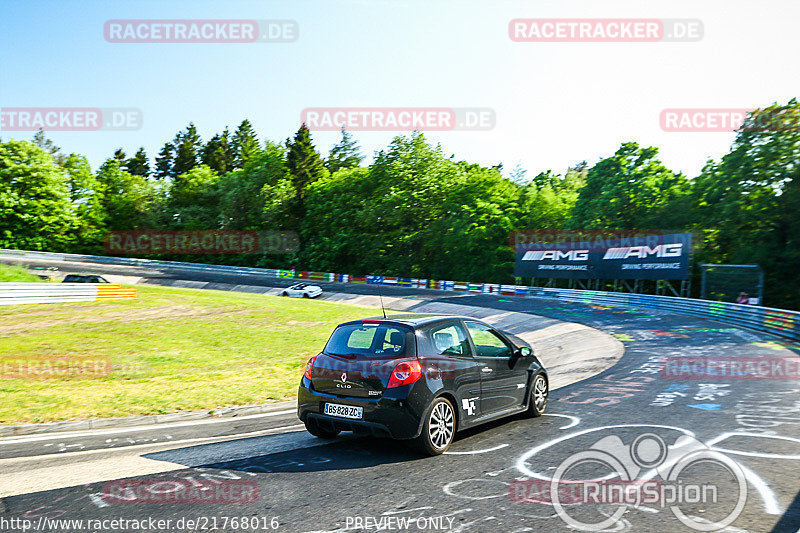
[[421, 377]]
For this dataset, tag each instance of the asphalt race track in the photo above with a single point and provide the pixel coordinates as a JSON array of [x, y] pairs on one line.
[[494, 478]]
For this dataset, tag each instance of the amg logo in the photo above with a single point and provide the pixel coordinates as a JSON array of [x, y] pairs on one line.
[[555, 255], [662, 250]]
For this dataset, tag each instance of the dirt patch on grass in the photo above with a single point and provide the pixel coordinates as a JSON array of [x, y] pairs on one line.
[[90, 315]]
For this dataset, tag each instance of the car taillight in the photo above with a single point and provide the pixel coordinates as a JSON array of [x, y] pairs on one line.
[[309, 367], [405, 373]]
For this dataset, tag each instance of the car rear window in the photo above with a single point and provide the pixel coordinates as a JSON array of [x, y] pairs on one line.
[[379, 340]]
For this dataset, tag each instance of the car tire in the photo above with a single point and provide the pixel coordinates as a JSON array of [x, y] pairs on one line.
[[438, 428], [305, 295], [313, 428], [537, 402], [284, 294]]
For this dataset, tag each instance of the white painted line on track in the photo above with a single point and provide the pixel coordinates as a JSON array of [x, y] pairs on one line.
[[575, 420], [131, 429], [475, 452]]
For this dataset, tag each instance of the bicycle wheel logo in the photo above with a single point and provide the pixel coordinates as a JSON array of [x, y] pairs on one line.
[[681, 476]]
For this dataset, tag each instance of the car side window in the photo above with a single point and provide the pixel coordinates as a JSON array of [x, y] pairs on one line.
[[450, 339], [487, 342]]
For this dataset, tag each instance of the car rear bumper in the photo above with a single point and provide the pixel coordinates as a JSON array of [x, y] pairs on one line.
[[397, 418]]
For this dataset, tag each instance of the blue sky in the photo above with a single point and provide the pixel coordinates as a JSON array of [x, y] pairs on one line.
[[556, 103]]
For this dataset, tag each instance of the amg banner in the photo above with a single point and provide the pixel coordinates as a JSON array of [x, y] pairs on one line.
[[641, 257]]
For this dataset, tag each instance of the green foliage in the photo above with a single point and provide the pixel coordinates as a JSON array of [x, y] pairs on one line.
[[193, 199], [218, 153], [414, 211], [344, 154], [630, 190], [35, 206], [260, 195], [127, 199], [304, 162], [187, 150], [750, 200], [138, 164], [16, 273], [165, 161], [245, 144]]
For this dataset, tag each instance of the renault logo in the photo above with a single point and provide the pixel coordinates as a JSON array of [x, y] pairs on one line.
[[344, 377]]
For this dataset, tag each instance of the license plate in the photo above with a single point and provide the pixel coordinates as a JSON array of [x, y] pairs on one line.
[[346, 411]]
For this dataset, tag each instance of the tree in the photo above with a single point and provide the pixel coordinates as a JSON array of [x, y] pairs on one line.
[[413, 212], [631, 190], [187, 149], [193, 199], [35, 208], [750, 200], [138, 164], [548, 200], [128, 199], [87, 197], [40, 140], [119, 155], [303, 161], [344, 154], [218, 153], [165, 162], [259, 196], [245, 144], [517, 174]]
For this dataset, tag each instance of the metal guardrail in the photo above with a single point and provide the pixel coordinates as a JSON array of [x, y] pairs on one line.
[[41, 293], [781, 322], [777, 321]]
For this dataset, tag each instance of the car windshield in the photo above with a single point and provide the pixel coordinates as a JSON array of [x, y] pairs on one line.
[[377, 340]]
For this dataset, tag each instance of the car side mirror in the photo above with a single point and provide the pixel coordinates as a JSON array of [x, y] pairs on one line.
[[524, 352]]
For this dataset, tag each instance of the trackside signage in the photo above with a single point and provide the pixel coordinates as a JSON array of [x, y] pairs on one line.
[[645, 257]]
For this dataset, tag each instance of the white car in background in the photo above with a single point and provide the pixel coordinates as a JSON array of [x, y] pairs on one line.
[[302, 290]]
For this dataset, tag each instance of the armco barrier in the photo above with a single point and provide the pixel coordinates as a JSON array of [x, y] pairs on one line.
[[777, 321], [39, 293]]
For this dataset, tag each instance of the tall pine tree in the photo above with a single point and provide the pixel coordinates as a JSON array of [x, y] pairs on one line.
[[218, 153], [345, 154], [303, 161], [138, 164], [187, 148], [165, 162], [245, 144]]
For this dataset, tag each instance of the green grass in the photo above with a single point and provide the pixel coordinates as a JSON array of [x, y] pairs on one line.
[[15, 273], [170, 350]]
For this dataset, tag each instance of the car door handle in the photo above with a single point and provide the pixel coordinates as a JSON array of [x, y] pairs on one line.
[[486, 369]]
